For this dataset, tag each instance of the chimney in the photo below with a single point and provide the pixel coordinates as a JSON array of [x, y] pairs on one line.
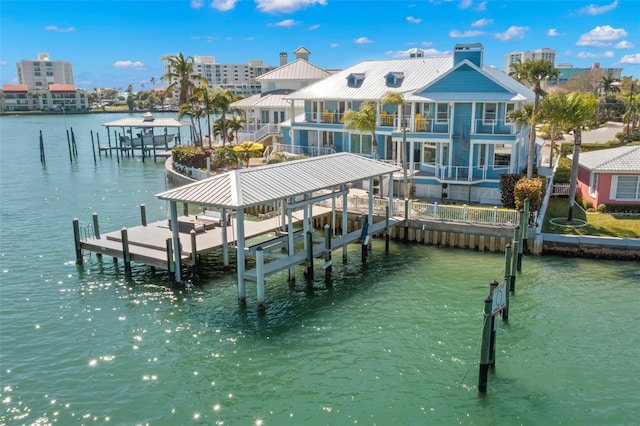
[[471, 51], [284, 58]]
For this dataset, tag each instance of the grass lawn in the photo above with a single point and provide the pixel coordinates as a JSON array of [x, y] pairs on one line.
[[598, 224]]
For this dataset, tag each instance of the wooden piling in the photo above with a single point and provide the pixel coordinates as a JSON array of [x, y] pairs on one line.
[[386, 229], [484, 349], [260, 279], [521, 230], [514, 262], [42, 157], [126, 256], [492, 341], [76, 238], [74, 146], [507, 280], [327, 253], [525, 227], [194, 255], [143, 214], [96, 226], [171, 267], [310, 278], [69, 146], [93, 148], [99, 150]]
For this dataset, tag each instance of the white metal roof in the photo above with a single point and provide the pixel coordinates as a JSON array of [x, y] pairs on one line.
[[264, 184], [299, 69], [621, 159], [274, 99], [146, 120], [418, 72]]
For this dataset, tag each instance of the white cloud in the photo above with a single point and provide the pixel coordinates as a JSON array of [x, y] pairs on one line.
[[286, 6], [334, 45], [607, 54], [554, 33], [56, 29], [137, 65], [514, 32], [3, 63], [482, 22], [426, 43], [196, 4], [314, 27], [592, 9], [249, 38], [405, 53], [482, 6], [223, 5], [465, 34], [287, 23], [412, 20], [633, 59], [601, 36], [465, 4], [362, 40], [624, 44]]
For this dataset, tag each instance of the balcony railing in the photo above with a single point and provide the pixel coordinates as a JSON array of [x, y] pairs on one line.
[[494, 127]]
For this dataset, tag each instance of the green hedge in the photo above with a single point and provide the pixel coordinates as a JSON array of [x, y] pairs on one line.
[[191, 156], [619, 208], [507, 186]]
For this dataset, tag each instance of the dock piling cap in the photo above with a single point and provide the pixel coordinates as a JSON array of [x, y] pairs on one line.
[[147, 116]]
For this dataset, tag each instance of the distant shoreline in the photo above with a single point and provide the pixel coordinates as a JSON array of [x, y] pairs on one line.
[[9, 113]]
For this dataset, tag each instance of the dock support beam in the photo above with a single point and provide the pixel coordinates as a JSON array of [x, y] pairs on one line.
[[240, 255], [225, 242], [484, 350], [521, 231], [525, 227], [387, 231], [260, 279], [76, 239], [309, 250], [171, 267], [143, 214], [492, 342], [345, 221], [126, 256], [507, 280], [194, 255], [175, 231], [96, 226], [291, 248], [327, 252]]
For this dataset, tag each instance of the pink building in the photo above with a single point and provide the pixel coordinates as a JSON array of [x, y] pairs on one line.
[[610, 176]]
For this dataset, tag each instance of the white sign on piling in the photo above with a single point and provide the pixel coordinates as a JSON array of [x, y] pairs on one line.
[[499, 298]]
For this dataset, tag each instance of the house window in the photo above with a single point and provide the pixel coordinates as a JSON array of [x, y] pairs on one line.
[[489, 114], [361, 144], [508, 109], [501, 155], [593, 184], [627, 187], [442, 113], [429, 153]]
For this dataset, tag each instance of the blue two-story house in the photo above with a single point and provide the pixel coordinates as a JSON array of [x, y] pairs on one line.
[[457, 134]]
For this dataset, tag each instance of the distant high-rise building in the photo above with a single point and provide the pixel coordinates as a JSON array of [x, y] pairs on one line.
[[512, 57], [39, 74]]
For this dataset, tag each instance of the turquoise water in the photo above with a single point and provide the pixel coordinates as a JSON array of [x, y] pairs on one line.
[[394, 342]]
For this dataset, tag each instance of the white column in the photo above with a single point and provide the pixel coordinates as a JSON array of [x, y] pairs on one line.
[[473, 117], [292, 274], [370, 218], [391, 194], [345, 220], [242, 293], [260, 278]]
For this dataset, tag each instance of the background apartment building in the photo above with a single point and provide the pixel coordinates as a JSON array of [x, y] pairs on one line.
[[512, 57], [39, 74]]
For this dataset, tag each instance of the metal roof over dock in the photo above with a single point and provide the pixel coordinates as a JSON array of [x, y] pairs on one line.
[[254, 186], [147, 120]]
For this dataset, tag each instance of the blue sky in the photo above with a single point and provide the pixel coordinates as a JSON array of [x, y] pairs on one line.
[[114, 43]]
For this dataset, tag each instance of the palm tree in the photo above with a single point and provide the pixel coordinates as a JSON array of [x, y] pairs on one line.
[[181, 75], [247, 150], [195, 112], [235, 123], [533, 72], [397, 99], [577, 110], [551, 112], [221, 100], [363, 121], [153, 81]]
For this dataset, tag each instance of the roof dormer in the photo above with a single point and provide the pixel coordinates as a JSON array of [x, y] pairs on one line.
[[355, 79], [394, 79]]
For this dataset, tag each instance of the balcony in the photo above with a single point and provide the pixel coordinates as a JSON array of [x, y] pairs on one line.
[[494, 127]]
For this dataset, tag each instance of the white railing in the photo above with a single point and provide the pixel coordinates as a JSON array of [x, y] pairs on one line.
[[560, 189], [432, 211], [255, 136], [309, 151], [494, 127]]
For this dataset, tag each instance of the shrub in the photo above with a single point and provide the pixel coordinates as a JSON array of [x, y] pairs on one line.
[[533, 189], [587, 204], [563, 171], [602, 208], [224, 157], [507, 185], [619, 208], [190, 156]]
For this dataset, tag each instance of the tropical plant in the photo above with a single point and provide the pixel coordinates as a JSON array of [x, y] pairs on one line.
[[221, 101], [235, 123], [363, 121], [195, 112], [247, 150], [181, 75], [577, 110], [533, 72], [551, 112], [224, 157], [397, 99]]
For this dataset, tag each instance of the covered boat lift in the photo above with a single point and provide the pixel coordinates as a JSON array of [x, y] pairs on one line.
[[291, 186], [146, 136]]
